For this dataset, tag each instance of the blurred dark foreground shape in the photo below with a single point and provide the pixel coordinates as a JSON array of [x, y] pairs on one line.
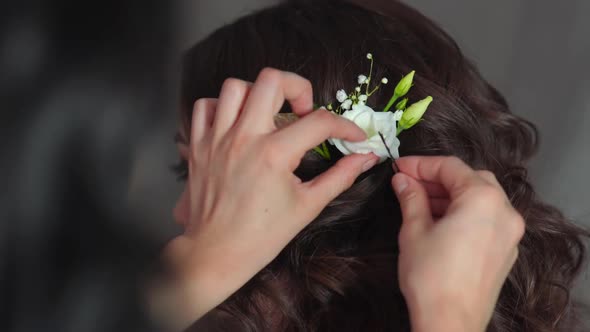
[[81, 82]]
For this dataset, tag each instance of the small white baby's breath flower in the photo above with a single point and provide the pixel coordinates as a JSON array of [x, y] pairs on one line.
[[369, 56], [357, 89], [347, 104], [341, 96], [384, 80], [362, 79], [363, 98]]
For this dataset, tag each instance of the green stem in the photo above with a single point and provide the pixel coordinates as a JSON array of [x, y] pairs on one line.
[[390, 103], [370, 77], [372, 92]]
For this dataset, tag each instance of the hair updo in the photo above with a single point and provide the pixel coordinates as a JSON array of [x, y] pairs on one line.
[[340, 273]]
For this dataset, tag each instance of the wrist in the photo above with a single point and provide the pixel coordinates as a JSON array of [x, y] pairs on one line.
[[202, 276], [441, 317], [168, 299]]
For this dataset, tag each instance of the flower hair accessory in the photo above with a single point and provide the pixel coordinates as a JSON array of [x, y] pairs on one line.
[[382, 127]]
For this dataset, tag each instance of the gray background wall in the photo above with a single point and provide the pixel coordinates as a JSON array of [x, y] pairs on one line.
[[535, 52]]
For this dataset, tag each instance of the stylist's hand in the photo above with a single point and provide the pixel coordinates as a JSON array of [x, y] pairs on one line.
[[452, 268], [245, 202]]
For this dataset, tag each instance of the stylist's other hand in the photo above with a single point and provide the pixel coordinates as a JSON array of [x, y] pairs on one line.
[[451, 268], [245, 202]]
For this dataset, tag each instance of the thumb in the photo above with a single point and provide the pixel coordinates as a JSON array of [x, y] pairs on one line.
[[328, 185], [415, 207]]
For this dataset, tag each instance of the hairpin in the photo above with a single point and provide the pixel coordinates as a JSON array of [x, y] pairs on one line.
[[393, 163]]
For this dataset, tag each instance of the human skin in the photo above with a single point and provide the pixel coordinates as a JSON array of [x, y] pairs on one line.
[[235, 150], [451, 269]]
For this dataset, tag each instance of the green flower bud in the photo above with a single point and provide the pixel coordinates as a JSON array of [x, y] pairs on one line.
[[402, 104], [414, 113], [404, 85], [401, 89]]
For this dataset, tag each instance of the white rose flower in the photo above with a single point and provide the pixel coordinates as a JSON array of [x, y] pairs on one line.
[[341, 96], [358, 104], [372, 123]]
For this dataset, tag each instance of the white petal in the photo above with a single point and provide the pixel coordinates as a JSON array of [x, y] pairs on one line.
[[384, 122], [341, 96], [365, 120], [339, 144], [372, 123]]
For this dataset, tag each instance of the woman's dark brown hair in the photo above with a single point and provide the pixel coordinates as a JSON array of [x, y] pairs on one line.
[[340, 273]]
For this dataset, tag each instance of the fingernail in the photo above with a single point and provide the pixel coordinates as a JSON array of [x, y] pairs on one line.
[[369, 164], [400, 183]]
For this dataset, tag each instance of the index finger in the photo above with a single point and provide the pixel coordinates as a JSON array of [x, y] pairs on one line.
[[268, 94], [451, 172]]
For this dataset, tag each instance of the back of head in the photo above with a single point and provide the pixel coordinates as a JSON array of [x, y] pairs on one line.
[[339, 274]]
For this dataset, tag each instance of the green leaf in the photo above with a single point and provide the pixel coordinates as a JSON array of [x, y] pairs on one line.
[[321, 152], [326, 150]]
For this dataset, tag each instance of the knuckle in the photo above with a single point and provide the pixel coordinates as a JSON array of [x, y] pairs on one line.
[[200, 103], [232, 84], [270, 74], [488, 196], [408, 195], [307, 86], [454, 160], [519, 226], [347, 180], [486, 174], [322, 115]]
